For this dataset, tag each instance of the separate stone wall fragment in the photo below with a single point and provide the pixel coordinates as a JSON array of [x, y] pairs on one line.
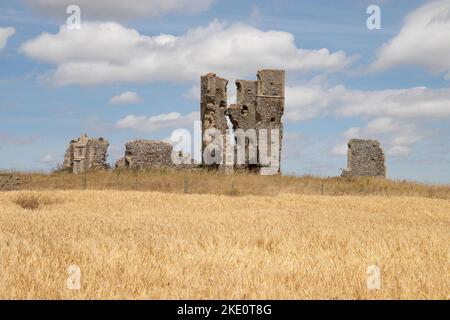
[[365, 158], [143, 154], [86, 154], [9, 182]]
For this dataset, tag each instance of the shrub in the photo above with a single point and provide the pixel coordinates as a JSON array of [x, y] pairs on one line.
[[31, 201]]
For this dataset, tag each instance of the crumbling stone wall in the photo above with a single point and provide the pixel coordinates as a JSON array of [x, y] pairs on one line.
[[270, 101], [213, 105], [85, 154], [142, 154], [9, 182], [365, 158], [259, 106], [242, 115]]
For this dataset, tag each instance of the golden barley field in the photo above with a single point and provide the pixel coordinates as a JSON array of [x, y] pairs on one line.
[[153, 245]]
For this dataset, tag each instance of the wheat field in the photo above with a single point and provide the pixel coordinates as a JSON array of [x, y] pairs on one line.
[[152, 245]]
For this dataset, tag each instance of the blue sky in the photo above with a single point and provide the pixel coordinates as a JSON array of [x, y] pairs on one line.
[[343, 80]]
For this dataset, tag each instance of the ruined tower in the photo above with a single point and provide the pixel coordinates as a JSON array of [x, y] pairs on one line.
[[260, 106], [86, 154], [213, 105], [365, 158]]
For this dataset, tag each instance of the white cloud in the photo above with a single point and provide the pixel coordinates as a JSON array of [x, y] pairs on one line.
[[157, 123], [126, 98], [398, 118], [423, 40], [381, 125], [193, 94], [352, 132], [339, 150], [313, 100], [119, 9], [119, 54], [308, 101], [5, 34], [47, 159], [397, 136], [399, 151]]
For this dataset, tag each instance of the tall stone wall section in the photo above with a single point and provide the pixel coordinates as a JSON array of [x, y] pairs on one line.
[[84, 154], [365, 158], [213, 105], [270, 103], [258, 109], [143, 154]]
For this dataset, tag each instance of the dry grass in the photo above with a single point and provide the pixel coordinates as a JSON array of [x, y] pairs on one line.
[[132, 244], [33, 201], [203, 182]]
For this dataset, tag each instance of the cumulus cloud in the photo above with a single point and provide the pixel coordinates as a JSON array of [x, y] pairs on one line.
[[119, 9], [339, 150], [399, 118], [5, 34], [423, 40], [157, 123], [313, 100], [47, 159], [399, 151], [396, 135], [193, 94], [128, 97], [119, 54]]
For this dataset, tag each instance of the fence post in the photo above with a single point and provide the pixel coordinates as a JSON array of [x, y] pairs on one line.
[[85, 181], [118, 180], [186, 185]]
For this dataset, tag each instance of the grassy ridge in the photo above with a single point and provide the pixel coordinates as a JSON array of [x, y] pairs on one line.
[[203, 182]]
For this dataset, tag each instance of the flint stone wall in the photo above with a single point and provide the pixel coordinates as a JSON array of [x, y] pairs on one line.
[[9, 182], [365, 158], [213, 106], [259, 105], [142, 154], [84, 154]]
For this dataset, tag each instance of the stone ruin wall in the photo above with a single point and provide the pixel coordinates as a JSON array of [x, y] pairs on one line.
[[259, 105], [142, 154], [84, 154], [213, 106], [365, 158], [9, 182]]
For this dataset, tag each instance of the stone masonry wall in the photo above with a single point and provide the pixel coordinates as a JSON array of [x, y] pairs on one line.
[[9, 182], [213, 105], [141, 154], [365, 158], [85, 154], [259, 105]]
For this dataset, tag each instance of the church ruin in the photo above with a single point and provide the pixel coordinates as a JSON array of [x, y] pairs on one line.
[[86, 154], [365, 158], [256, 119], [253, 144]]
